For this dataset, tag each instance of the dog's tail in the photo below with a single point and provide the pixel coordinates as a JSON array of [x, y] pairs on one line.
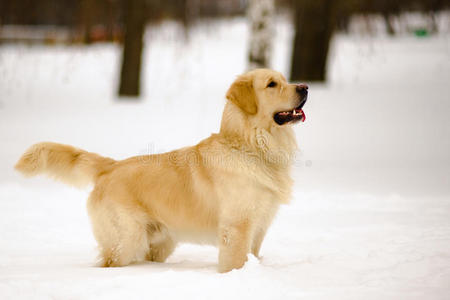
[[63, 162]]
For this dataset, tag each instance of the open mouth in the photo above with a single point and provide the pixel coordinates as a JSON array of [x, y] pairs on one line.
[[291, 116]]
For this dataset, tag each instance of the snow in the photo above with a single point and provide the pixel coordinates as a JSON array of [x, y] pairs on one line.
[[369, 218]]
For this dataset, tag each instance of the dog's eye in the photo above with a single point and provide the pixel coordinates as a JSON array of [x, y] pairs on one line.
[[272, 84]]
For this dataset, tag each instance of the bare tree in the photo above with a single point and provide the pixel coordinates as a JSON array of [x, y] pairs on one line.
[[260, 14], [315, 21], [135, 20], [87, 19]]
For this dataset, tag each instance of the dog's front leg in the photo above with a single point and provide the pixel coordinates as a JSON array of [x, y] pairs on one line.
[[234, 245]]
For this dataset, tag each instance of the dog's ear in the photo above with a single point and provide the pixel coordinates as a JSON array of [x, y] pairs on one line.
[[242, 94]]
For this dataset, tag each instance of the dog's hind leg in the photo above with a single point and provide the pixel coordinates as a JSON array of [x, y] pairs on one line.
[[161, 244], [120, 232]]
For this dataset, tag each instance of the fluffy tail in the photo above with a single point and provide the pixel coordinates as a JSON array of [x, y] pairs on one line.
[[62, 162]]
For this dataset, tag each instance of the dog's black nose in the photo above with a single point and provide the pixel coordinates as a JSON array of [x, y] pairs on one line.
[[302, 89]]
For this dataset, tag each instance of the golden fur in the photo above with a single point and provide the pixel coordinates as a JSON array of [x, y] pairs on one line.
[[223, 191]]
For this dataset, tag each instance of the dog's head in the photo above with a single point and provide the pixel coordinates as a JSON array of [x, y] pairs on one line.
[[266, 96]]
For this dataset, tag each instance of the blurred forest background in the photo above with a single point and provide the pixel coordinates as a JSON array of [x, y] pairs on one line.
[[121, 21]]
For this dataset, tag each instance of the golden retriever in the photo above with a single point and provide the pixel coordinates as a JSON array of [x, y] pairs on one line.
[[223, 191]]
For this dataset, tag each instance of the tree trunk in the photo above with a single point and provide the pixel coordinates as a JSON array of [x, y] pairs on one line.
[[135, 19], [260, 14], [110, 20], [315, 22], [433, 22], [388, 22], [87, 11]]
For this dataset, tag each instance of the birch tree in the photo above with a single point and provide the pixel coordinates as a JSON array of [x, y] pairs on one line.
[[261, 16]]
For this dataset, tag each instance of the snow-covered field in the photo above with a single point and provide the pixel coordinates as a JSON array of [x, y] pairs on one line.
[[371, 207]]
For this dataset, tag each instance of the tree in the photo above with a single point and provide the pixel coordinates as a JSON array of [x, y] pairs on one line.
[[260, 14], [315, 21], [87, 19], [135, 20]]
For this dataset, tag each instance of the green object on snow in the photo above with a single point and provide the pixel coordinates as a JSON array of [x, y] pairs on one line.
[[421, 32]]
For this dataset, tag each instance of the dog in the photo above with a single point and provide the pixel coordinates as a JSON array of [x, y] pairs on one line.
[[224, 191]]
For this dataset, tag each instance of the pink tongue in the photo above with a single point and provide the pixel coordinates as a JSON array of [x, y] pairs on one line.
[[303, 115]]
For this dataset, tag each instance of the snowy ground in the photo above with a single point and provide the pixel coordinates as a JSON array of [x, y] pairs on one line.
[[371, 207]]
